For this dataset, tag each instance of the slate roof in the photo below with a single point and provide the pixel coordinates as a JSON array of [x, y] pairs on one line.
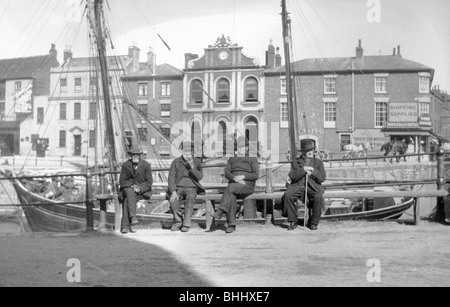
[[122, 60], [23, 68], [161, 71], [382, 63]]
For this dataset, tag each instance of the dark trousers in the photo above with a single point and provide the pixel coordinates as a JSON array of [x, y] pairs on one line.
[[315, 202], [232, 193], [189, 195], [130, 199]]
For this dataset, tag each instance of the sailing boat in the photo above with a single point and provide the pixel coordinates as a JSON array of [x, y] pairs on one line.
[[49, 215]]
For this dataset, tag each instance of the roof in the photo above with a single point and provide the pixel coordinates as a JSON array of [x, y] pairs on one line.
[[384, 63], [23, 68], [120, 61], [161, 71]]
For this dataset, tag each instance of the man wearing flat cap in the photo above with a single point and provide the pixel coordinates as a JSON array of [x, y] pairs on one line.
[[184, 184], [305, 167], [135, 184], [242, 173]]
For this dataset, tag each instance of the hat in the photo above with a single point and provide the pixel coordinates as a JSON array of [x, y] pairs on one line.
[[135, 150], [307, 144]]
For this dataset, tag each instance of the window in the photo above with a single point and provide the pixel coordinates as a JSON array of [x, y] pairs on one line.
[[142, 134], [346, 139], [2, 90], [63, 85], [165, 89], [381, 113], [196, 91], [251, 89], [77, 110], [330, 85], [223, 90], [77, 84], [62, 139], [165, 132], [424, 84], [380, 85], [92, 110], [93, 83], [40, 115], [424, 108], [92, 138], [283, 86], [18, 86], [63, 111], [284, 115], [143, 109], [165, 111], [330, 115], [143, 89], [2, 111]]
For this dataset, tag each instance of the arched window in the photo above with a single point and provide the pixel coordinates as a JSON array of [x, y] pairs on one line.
[[251, 89], [222, 137], [196, 138], [223, 91], [196, 91], [251, 133]]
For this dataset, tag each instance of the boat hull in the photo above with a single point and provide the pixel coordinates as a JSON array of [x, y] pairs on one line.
[[51, 216]]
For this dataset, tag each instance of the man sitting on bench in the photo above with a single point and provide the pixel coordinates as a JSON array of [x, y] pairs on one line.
[[306, 165], [242, 172], [184, 184]]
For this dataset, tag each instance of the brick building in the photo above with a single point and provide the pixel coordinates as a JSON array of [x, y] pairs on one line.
[[71, 117], [354, 100], [156, 92], [24, 84]]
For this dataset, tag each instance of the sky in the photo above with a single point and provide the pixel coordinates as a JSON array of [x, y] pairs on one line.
[[320, 28]]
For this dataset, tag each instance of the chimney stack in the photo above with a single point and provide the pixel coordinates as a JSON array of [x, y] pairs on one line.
[[270, 56], [67, 53], [278, 58], [359, 50], [398, 51], [394, 52], [134, 53], [151, 60], [53, 51]]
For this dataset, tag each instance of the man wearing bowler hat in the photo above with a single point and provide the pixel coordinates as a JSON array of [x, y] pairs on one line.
[[135, 184], [307, 165]]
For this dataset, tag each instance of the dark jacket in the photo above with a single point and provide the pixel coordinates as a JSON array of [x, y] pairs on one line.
[[247, 166], [180, 168], [318, 176], [142, 177]]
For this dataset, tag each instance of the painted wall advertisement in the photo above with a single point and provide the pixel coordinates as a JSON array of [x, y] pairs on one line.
[[22, 100], [403, 114]]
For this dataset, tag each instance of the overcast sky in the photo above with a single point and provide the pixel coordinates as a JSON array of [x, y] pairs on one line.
[[321, 28]]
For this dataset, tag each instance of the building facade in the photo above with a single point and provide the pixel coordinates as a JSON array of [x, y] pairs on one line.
[[24, 86], [359, 100]]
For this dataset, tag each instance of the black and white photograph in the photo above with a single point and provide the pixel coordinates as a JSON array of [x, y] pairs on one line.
[[224, 150]]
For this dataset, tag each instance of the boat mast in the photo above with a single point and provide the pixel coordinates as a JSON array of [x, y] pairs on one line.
[[98, 7], [292, 107]]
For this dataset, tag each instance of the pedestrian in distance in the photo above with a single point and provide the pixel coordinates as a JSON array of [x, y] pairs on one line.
[[184, 185], [135, 184]]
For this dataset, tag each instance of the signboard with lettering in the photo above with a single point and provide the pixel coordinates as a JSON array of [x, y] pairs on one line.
[[403, 112], [22, 100], [374, 136]]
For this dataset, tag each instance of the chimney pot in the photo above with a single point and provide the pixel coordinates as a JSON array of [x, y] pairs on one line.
[[359, 50]]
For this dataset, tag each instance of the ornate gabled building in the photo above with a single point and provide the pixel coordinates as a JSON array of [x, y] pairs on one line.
[[24, 83], [224, 96]]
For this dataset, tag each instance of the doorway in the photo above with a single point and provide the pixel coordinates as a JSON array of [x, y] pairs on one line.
[[77, 151]]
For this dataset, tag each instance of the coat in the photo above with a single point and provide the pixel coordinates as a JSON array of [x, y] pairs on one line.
[[142, 177], [318, 176], [177, 170]]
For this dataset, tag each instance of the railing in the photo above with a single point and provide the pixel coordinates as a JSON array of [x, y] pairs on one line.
[[103, 196]]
